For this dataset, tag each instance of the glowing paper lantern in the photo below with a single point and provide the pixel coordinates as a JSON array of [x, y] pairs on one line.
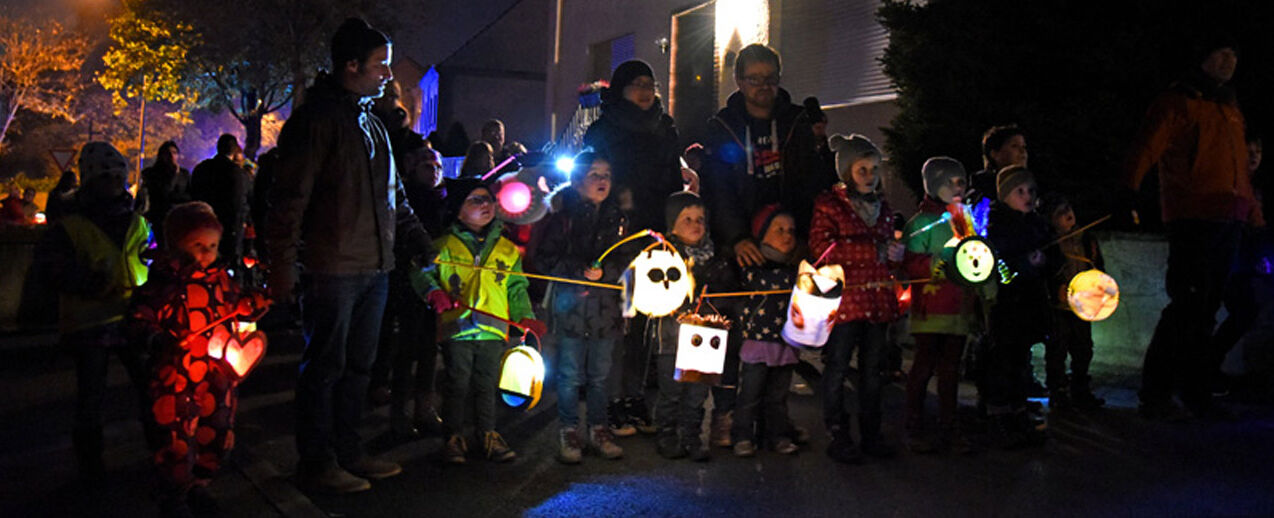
[[521, 196], [811, 313], [969, 261], [657, 283], [1093, 295], [515, 197], [521, 377], [240, 353], [701, 348]]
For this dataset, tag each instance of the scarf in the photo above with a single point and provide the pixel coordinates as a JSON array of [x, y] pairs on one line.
[[866, 205], [700, 253]]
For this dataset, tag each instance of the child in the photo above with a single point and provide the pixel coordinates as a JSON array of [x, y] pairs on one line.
[[1019, 316], [768, 362], [941, 310], [91, 257], [679, 406], [475, 342], [853, 227], [588, 320], [1070, 334], [187, 287]]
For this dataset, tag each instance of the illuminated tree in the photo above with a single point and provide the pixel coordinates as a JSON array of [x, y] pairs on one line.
[[39, 70]]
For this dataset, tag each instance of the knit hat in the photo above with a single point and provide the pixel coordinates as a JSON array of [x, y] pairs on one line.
[[764, 217], [814, 110], [938, 171], [624, 75], [458, 190], [678, 202], [99, 158], [186, 218], [849, 150], [354, 40], [1009, 178]]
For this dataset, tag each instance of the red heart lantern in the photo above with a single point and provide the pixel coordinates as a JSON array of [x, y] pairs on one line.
[[243, 353]]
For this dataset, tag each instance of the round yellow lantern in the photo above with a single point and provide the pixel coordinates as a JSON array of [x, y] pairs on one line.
[[521, 377], [1093, 295]]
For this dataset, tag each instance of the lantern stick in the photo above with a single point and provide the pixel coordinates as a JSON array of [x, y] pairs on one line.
[[946, 216], [789, 290], [824, 256], [218, 322], [530, 275], [521, 327], [639, 235], [498, 167], [1077, 231]]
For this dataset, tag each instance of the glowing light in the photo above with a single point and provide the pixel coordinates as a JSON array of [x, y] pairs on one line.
[[740, 23], [701, 349], [521, 377], [515, 197], [40, 218], [969, 261], [1093, 295], [811, 313], [565, 164], [656, 283]]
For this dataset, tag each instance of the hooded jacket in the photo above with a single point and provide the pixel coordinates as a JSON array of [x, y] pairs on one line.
[[337, 203], [1020, 313], [731, 189], [859, 249], [575, 235], [644, 155]]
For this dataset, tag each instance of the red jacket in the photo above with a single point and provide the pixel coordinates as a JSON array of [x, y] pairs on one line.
[[858, 251]]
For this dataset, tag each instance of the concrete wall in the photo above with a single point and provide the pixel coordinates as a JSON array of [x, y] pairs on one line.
[[17, 246], [1138, 263]]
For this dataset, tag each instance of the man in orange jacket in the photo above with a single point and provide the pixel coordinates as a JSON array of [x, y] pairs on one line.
[[1194, 133]]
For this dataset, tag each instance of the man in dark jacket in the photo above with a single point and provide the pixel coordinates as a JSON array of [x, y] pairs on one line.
[[338, 192], [164, 185], [761, 150], [222, 182]]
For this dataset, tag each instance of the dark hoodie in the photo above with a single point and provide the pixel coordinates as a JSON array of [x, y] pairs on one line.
[[337, 190], [1020, 314], [644, 154], [785, 167]]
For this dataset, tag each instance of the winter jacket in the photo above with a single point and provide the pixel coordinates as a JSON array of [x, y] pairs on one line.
[[337, 191], [1194, 133], [1020, 312], [163, 188], [735, 186], [181, 297], [763, 316], [718, 274], [575, 235], [939, 306], [223, 185], [645, 158], [500, 294], [860, 249]]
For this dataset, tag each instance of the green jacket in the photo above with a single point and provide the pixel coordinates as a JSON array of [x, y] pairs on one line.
[[940, 306], [496, 293]]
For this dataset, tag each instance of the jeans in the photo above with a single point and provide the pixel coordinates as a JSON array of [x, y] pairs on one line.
[[1201, 258], [935, 354], [869, 339], [92, 348], [414, 345], [341, 317], [1074, 337], [762, 391], [473, 372], [679, 407], [583, 363]]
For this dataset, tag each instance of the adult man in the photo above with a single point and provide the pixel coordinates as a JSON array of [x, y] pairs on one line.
[[338, 192], [493, 133], [760, 151], [1194, 133], [164, 185], [221, 182]]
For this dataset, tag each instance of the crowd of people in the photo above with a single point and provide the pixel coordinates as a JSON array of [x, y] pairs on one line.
[[351, 212]]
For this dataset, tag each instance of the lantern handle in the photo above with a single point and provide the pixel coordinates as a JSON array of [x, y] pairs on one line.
[[824, 256], [1077, 231], [659, 239], [500, 166]]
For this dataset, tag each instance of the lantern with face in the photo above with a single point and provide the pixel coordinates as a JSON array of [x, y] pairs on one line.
[[969, 261], [1093, 295], [701, 348], [521, 377], [657, 283], [812, 310]]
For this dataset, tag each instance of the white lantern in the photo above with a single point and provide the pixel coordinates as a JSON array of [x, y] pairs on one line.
[[657, 283], [969, 261], [520, 196], [701, 348], [1093, 295], [521, 377], [811, 313]]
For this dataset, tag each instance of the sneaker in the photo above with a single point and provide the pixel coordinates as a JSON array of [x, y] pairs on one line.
[[1166, 411], [332, 479], [454, 451], [497, 450], [744, 449], [785, 446], [719, 435], [668, 446], [638, 415], [372, 468], [618, 419], [426, 420], [569, 450], [604, 443]]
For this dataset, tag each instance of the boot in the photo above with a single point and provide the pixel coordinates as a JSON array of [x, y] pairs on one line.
[[694, 447], [638, 415], [604, 443], [569, 450], [619, 420], [496, 449], [426, 419], [719, 433], [454, 451]]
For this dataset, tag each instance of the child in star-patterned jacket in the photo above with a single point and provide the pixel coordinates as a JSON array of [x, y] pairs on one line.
[[768, 361], [192, 395]]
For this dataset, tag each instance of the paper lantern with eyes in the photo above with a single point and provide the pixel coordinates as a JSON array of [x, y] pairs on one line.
[[969, 261], [811, 312], [656, 283], [241, 353], [1093, 295], [521, 377], [521, 196], [701, 348]]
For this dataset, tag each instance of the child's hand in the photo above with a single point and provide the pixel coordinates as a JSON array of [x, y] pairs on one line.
[[1037, 258], [593, 274], [440, 301], [896, 251], [534, 326]]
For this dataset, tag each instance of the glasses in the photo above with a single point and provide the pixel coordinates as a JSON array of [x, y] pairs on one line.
[[759, 81], [479, 200], [652, 86]]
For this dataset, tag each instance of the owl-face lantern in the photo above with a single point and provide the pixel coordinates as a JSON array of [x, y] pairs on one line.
[[811, 312], [701, 348], [969, 261], [657, 283], [1093, 295], [521, 377]]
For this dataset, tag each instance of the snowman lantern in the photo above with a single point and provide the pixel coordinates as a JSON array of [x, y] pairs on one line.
[[656, 283], [701, 348], [1093, 295], [812, 310], [521, 377], [967, 258]]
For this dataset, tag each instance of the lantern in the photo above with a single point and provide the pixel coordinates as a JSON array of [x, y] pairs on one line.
[[811, 312], [1093, 295], [240, 353], [969, 261], [521, 196], [701, 348], [521, 377], [656, 283]]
